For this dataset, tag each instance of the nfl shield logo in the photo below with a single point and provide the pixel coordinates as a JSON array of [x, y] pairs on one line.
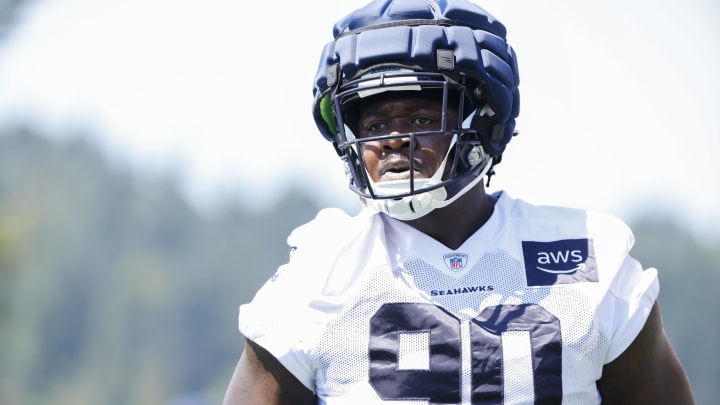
[[455, 261]]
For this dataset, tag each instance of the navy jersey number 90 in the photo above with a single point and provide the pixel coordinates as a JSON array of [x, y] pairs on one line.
[[441, 382]]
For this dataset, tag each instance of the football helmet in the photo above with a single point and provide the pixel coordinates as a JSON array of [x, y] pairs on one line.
[[452, 49]]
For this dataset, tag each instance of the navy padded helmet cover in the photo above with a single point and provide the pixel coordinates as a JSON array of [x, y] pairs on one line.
[[410, 32]]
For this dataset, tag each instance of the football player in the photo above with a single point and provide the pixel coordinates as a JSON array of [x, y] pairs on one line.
[[439, 292]]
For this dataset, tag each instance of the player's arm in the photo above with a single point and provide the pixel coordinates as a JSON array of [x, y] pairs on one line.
[[648, 372], [260, 379]]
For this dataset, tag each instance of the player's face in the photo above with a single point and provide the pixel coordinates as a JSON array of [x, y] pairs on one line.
[[390, 159]]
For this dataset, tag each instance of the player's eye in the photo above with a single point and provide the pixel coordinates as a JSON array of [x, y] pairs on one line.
[[422, 121], [375, 127]]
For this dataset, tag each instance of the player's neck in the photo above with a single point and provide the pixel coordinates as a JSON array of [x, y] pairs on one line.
[[454, 224]]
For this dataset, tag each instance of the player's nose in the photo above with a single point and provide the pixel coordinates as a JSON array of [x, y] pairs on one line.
[[400, 136]]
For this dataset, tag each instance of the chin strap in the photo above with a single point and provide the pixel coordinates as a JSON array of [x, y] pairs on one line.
[[410, 207], [421, 204]]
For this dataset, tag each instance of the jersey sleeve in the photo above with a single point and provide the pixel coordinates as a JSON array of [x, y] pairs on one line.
[[634, 290], [630, 289], [274, 320], [289, 312]]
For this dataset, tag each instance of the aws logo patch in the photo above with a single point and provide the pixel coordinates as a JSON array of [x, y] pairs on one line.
[[559, 262]]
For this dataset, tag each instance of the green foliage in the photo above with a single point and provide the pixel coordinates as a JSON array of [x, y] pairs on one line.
[[115, 291]]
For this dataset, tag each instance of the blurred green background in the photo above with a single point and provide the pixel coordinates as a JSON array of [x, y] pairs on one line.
[[115, 290]]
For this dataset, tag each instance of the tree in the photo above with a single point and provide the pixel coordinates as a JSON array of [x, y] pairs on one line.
[[118, 291]]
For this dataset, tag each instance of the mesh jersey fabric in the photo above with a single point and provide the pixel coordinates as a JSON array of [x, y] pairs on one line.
[[369, 310]]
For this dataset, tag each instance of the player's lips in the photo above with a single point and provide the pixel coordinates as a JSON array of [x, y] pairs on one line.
[[398, 168]]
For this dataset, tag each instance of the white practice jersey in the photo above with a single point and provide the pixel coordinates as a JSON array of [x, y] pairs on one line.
[[527, 311]]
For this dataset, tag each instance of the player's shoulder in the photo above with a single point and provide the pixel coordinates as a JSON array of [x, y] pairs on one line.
[[331, 234], [330, 227], [328, 254], [315, 247], [542, 221]]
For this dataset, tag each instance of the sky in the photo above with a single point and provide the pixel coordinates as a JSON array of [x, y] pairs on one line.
[[619, 99]]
